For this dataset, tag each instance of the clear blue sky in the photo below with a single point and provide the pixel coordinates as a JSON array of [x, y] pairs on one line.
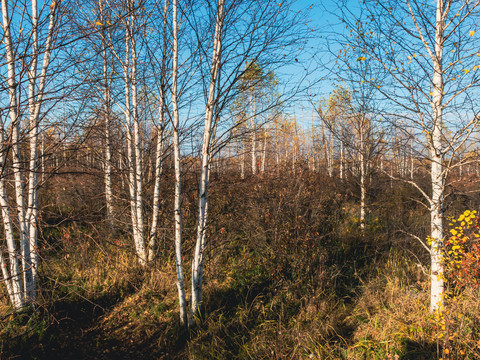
[[314, 59]]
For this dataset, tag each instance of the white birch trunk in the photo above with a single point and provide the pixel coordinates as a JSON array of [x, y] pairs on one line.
[[178, 202], [242, 165], [254, 135], [363, 190], [141, 250], [152, 246], [106, 108], [132, 149], [12, 277], [42, 154], [341, 159], [25, 197], [17, 162], [32, 210], [412, 168], [264, 151], [438, 181], [197, 264], [326, 146]]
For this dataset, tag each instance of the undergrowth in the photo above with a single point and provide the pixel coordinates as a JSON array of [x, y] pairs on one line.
[[289, 275]]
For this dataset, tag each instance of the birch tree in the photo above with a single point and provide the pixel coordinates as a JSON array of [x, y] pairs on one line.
[[131, 19], [42, 25], [427, 52], [241, 31], [107, 75], [160, 131], [176, 147], [198, 259]]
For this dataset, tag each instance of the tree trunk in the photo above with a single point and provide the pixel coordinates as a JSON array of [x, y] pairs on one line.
[[106, 108], [264, 151], [13, 279], [341, 159], [438, 181], [197, 264], [133, 143], [152, 246], [176, 147], [254, 140]]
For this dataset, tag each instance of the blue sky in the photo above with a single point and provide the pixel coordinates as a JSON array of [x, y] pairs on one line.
[[313, 61]]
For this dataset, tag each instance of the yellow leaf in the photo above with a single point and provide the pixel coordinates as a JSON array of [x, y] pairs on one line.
[[446, 351], [98, 23], [472, 32], [361, 82], [361, 58]]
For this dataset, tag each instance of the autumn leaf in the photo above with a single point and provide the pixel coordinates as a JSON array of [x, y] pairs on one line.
[[362, 58], [472, 32]]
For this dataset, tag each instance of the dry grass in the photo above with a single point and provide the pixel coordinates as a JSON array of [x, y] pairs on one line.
[[294, 279]]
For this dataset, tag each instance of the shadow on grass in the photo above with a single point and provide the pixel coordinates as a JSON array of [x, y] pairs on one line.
[[68, 329], [413, 350]]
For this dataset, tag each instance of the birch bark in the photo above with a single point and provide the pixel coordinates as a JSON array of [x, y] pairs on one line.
[[197, 264], [107, 124], [178, 202], [25, 193], [134, 167], [142, 255], [437, 157], [152, 246], [12, 275]]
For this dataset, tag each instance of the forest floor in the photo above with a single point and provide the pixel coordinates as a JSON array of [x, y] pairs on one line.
[[289, 275]]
